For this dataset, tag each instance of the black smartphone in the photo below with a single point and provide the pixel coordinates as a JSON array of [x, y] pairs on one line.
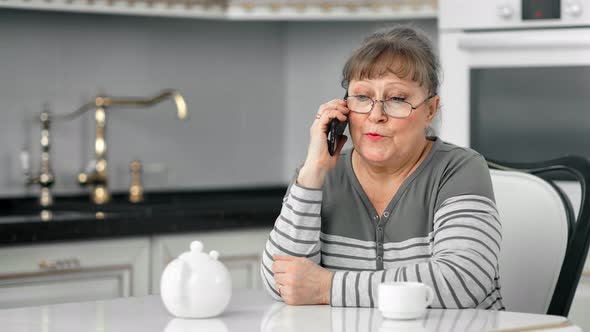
[[335, 131]]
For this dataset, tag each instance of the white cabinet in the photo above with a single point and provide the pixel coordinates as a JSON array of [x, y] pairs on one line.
[[240, 251], [91, 270], [580, 309], [73, 271]]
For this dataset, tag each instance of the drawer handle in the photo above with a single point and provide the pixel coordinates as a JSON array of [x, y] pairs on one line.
[[60, 264]]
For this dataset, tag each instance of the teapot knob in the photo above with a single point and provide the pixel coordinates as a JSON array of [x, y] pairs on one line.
[[196, 246], [214, 254]]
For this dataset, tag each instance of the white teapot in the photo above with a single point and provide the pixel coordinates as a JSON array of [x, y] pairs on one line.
[[196, 285]]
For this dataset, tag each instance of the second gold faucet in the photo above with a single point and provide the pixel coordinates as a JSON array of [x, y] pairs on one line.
[[97, 176]]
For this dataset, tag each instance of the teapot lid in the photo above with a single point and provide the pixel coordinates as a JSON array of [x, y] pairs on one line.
[[197, 252]]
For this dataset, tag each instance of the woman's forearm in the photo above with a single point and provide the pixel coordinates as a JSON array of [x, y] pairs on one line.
[[311, 177], [296, 231]]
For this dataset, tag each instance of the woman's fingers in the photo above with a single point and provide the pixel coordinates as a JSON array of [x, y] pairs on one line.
[[324, 120], [280, 266], [337, 104], [305, 283], [280, 279], [334, 102], [334, 109]]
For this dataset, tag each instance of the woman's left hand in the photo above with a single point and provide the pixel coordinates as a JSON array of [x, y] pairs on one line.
[[301, 281]]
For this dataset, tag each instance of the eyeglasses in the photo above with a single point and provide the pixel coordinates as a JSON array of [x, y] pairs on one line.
[[394, 107]]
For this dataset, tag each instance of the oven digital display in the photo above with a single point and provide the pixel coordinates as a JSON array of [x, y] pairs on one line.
[[541, 9]]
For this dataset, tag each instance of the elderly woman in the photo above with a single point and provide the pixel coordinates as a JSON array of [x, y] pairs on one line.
[[401, 205]]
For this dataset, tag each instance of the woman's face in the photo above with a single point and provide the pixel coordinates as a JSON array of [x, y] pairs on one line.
[[381, 139]]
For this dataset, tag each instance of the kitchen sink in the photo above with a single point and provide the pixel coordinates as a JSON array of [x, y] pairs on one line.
[[47, 215]]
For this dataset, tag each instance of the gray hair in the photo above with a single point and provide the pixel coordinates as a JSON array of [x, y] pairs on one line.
[[402, 50]]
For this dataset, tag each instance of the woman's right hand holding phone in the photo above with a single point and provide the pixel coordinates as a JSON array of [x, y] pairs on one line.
[[319, 161]]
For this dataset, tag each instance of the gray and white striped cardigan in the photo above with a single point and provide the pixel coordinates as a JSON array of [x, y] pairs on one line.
[[441, 228]]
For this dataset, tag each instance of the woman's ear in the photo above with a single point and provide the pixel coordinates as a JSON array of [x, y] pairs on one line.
[[432, 107]]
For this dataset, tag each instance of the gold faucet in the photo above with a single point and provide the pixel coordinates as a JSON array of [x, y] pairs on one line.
[[135, 189], [45, 178], [97, 176]]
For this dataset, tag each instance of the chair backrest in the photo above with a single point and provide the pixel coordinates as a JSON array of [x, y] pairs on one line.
[[534, 239], [570, 167]]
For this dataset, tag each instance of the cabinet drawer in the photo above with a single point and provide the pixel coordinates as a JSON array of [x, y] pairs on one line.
[[64, 255], [122, 264], [71, 285]]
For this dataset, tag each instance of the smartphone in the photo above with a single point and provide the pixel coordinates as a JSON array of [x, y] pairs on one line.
[[335, 131]]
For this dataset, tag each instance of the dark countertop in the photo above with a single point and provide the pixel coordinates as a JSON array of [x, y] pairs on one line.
[[75, 217]]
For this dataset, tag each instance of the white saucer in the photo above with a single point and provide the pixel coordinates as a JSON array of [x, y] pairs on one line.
[[402, 315]]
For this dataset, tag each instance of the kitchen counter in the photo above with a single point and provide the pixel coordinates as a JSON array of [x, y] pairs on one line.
[[251, 311], [75, 218]]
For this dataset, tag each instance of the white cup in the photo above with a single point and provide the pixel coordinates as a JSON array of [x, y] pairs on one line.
[[404, 300]]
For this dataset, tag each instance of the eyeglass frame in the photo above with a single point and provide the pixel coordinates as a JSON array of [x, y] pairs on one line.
[[373, 101]]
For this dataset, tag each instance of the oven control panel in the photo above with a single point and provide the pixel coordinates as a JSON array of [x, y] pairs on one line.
[[512, 14]]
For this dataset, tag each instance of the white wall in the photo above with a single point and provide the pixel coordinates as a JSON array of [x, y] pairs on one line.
[[252, 89], [230, 73]]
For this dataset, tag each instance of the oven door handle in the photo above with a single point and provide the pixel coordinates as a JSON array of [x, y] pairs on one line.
[[523, 40]]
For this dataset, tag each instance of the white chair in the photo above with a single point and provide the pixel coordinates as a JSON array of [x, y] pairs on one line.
[[544, 246], [534, 239]]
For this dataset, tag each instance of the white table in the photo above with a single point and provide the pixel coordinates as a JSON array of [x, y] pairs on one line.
[[251, 311]]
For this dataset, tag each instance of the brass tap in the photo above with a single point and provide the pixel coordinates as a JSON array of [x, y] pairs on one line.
[[135, 189], [45, 178], [97, 176]]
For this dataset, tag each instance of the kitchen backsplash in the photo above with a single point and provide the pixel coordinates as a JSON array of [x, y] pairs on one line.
[[251, 87]]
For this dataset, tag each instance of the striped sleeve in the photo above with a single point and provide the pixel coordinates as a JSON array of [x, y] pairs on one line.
[[296, 232], [463, 268]]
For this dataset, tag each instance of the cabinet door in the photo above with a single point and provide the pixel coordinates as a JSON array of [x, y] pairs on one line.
[[239, 250], [579, 311], [73, 271]]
